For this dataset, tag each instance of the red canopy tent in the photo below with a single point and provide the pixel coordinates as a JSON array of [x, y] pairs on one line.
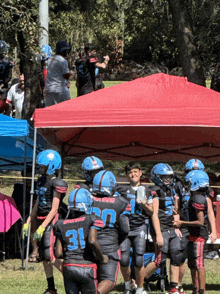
[[159, 117]]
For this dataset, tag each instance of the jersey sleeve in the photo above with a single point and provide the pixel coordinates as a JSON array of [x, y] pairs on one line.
[[60, 186], [155, 192], [97, 222], [199, 202]]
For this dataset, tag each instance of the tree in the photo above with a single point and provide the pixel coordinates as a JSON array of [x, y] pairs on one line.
[[20, 28], [186, 43]]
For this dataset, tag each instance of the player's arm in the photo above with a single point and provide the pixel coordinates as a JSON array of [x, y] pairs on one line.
[[95, 246], [211, 217], [33, 212], [156, 222], [58, 249], [197, 223], [54, 209]]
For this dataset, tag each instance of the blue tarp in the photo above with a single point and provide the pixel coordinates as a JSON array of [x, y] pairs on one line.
[[14, 134]]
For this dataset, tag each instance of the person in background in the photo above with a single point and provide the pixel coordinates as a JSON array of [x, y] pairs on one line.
[[58, 75], [76, 235], [86, 67], [5, 67], [15, 97], [50, 192], [17, 195], [4, 106]]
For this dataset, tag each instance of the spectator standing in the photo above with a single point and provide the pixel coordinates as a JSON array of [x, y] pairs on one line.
[[4, 106], [86, 67], [58, 74], [5, 66], [15, 97]]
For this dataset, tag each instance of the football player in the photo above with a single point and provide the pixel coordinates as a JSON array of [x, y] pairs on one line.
[[198, 207], [168, 240], [138, 229], [91, 166], [75, 235], [50, 192], [114, 211]]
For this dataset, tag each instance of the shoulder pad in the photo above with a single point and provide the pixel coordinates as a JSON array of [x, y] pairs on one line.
[[60, 185], [123, 199], [199, 198], [81, 185], [121, 189]]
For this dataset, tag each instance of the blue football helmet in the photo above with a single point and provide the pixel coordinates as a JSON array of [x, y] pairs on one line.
[[51, 159], [162, 174], [198, 179], [194, 164], [91, 165], [104, 183], [46, 51], [80, 199]]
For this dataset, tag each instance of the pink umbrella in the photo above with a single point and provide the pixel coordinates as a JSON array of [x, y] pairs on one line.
[[8, 212]]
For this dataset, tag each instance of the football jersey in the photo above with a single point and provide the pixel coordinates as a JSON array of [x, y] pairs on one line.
[[138, 216], [198, 202], [45, 189], [110, 209], [73, 234], [166, 205]]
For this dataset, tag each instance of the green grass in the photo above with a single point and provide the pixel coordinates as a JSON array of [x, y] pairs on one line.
[[14, 280], [73, 91]]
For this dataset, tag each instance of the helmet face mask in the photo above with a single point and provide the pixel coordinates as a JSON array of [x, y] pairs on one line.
[[199, 180], [51, 160], [81, 200], [104, 183], [162, 175]]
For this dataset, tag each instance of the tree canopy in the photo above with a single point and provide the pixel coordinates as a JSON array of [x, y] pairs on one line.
[[171, 33]]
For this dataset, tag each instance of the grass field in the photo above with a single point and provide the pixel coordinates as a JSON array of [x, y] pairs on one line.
[[73, 92], [14, 280]]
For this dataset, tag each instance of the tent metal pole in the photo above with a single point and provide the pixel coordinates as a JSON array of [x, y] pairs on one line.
[[24, 196], [32, 191]]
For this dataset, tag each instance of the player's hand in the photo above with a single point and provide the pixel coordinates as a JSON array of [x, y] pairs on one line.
[[213, 237], [105, 258], [107, 58], [179, 233], [159, 240], [25, 230], [177, 223], [38, 234]]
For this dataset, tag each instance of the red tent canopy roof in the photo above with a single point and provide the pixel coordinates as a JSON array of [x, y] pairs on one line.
[[156, 117]]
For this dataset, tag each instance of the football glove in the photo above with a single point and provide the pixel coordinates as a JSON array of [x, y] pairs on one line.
[[25, 230], [38, 234]]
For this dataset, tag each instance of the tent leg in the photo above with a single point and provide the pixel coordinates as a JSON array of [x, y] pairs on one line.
[[32, 192]]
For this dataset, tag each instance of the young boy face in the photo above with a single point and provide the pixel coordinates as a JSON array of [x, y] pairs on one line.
[[134, 176]]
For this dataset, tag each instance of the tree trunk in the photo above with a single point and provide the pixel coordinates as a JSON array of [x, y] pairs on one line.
[[32, 73], [185, 41]]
